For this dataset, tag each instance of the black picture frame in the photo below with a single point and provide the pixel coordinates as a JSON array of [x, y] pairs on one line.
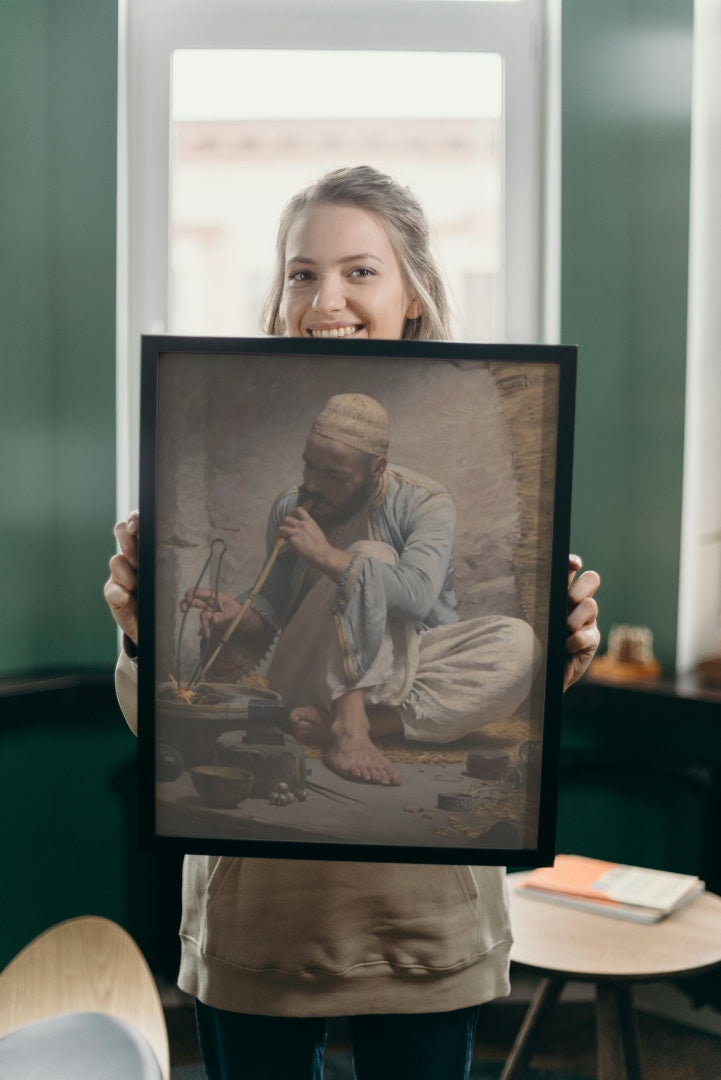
[[223, 429]]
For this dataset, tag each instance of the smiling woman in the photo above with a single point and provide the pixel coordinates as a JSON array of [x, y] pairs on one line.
[[353, 259], [369, 641]]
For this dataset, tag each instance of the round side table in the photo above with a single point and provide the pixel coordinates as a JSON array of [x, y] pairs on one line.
[[563, 944]]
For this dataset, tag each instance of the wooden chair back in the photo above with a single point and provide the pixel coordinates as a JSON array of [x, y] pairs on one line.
[[86, 964]]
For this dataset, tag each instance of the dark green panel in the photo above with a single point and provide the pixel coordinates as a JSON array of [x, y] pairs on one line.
[[626, 145], [641, 777], [68, 784], [67, 789], [631, 819]]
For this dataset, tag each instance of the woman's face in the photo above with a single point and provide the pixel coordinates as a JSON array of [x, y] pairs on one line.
[[342, 277]]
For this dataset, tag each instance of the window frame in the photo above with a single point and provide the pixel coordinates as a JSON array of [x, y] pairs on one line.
[[699, 594], [526, 34]]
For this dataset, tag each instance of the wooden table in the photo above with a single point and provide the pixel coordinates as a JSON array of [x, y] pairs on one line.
[[563, 944]]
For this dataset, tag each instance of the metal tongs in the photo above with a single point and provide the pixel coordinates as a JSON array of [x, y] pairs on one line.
[[278, 546]]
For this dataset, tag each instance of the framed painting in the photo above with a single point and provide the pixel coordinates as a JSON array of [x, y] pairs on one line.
[[352, 597]]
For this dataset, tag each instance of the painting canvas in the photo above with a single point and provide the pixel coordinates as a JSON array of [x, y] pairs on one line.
[[352, 597]]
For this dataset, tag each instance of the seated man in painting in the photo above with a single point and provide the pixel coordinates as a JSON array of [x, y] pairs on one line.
[[371, 643]]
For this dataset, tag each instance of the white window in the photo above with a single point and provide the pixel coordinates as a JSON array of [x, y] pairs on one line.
[[699, 623], [227, 107]]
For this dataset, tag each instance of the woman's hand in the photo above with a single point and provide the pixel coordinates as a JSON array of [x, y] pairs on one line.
[[583, 635], [121, 587]]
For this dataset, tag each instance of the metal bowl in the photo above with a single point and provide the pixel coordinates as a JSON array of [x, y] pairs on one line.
[[194, 728]]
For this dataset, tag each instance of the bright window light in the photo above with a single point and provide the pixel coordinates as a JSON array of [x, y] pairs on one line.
[[220, 84], [239, 154]]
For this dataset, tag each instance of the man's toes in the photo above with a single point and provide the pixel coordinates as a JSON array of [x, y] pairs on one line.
[[377, 773], [385, 773], [364, 768]]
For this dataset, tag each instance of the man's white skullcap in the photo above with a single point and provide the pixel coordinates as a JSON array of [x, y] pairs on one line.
[[355, 420]]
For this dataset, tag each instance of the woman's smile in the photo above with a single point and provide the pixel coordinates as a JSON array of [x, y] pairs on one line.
[[334, 331]]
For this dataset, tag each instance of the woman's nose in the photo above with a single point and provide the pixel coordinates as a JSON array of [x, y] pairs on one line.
[[329, 296]]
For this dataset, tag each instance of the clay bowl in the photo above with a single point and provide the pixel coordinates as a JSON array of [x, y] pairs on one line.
[[221, 785]]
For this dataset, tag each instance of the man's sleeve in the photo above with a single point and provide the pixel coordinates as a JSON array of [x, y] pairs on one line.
[[126, 688], [372, 591], [412, 587]]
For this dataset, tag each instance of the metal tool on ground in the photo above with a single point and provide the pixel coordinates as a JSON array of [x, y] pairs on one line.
[[337, 796]]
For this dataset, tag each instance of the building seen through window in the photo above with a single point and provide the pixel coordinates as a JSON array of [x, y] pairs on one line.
[[231, 175]]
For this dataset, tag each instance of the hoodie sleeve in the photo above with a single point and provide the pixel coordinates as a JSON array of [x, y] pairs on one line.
[[126, 689]]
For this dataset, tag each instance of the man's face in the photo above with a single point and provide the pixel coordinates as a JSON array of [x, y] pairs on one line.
[[339, 479]]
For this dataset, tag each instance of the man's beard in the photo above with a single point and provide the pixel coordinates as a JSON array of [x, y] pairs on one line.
[[337, 515]]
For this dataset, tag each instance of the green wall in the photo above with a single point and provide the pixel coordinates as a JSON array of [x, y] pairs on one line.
[[58, 72], [626, 145]]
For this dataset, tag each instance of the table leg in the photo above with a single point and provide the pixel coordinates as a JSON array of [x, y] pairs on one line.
[[545, 997], [617, 1033]]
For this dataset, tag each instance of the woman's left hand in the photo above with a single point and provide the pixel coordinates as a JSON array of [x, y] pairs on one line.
[[583, 635]]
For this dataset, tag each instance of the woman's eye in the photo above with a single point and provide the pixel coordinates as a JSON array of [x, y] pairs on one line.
[[362, 272], [300, 275]]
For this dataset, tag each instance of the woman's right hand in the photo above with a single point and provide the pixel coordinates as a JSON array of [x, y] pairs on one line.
[[122, 585]]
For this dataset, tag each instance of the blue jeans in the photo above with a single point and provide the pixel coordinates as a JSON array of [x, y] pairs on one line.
[[413, 1046]]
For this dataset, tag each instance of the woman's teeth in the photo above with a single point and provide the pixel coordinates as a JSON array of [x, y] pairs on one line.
[[337, 331]]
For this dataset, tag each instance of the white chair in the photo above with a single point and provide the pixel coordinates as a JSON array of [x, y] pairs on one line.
[[80, 1002]]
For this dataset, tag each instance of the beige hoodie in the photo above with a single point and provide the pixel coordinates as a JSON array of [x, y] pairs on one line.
[[299, 938]]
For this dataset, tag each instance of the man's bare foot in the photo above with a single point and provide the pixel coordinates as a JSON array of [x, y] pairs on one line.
[[353, 756], [310, 725]]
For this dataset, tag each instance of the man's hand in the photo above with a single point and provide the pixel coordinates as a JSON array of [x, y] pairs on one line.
[[217, 610], [583, 635], [305, 537], [121, 587]]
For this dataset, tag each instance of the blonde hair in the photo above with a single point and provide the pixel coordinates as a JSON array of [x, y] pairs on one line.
[[403, 217]]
